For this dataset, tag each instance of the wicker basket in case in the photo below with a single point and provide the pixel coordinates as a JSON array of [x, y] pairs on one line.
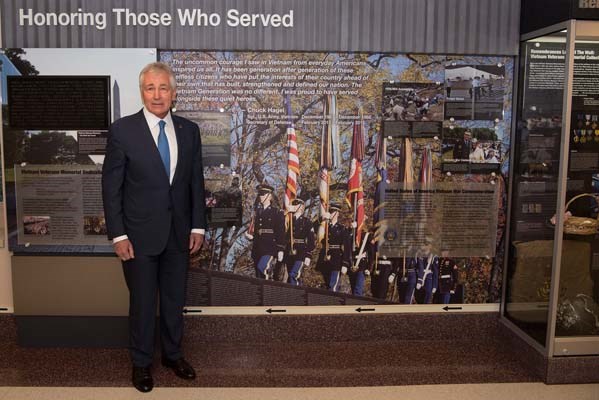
[[581, 225]]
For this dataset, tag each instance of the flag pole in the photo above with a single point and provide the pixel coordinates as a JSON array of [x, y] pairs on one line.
[[326, 226], [290, 215]]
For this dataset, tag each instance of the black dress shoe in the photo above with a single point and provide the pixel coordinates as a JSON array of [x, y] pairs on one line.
[[142, 379], [182, 369]]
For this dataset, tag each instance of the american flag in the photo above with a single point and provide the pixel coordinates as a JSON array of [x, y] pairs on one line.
[[355, 190], [293, 166]]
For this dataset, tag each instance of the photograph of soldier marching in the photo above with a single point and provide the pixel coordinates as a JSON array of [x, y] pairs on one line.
[[267, 232], [302, 242]]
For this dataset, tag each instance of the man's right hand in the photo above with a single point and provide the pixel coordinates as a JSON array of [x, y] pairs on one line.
[[124, 250]]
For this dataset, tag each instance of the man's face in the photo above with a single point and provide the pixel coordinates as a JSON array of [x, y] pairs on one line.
[[426, 248], [300, 210], [157, 93], [264, 197], [467, 137]]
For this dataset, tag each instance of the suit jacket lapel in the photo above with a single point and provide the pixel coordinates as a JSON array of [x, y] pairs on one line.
[[180, 144]]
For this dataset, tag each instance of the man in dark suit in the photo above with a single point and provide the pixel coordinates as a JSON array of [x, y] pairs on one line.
[[153, 192], [461, 149]]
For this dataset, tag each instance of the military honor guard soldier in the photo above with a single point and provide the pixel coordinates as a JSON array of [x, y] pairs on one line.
[[361, 262], [302, 242], [269, 238], [335, 256], [408, 275], [428, 272], [382, 268], [448, 279]]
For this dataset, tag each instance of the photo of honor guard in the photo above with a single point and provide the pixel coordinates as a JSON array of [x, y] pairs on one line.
[[269, 233], [407, 275], [428, 272], [302, 242], [379, 280], [335, 255], [448, 279], [362, 259]]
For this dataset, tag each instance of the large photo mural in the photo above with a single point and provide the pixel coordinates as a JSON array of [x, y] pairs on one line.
[[318, 140], [331, 178]]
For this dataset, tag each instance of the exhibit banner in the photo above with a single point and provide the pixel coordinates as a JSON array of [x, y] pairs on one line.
[[433, 26]]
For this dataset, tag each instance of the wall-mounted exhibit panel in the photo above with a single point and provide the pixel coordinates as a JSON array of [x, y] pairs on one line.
[[54, 143], [425, 177], [386, 172], [399, 159]]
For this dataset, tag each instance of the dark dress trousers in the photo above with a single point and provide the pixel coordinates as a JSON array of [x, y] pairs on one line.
[[157, 216]]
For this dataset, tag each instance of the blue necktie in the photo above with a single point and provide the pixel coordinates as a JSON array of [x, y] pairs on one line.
[[163, 148]]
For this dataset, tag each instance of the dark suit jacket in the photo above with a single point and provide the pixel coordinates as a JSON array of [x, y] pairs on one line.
[[138, 200], [461, 150]]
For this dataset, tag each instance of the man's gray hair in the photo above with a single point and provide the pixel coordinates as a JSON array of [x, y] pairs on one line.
[[158, 67]]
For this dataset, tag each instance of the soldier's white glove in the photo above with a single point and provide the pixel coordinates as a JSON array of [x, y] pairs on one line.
[[280, 256], [326, 215], [391, 278], [452, 292], [434, 290], [343, 270], [307, 262], [354, 224], [418, 286], [366, 272]]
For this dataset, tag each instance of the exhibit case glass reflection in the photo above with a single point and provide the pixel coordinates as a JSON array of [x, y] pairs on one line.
[[551, 291]]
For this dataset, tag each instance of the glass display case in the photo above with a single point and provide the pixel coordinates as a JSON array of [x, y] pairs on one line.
[[551, 291]]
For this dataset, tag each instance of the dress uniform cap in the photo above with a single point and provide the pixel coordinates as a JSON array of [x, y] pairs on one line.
[[264, 188], [334, 207], [297, 202]]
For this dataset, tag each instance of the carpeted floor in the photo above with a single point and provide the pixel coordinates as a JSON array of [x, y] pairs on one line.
[[417, 354]]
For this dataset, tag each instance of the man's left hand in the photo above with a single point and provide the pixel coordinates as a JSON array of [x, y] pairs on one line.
[[195, 242]]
